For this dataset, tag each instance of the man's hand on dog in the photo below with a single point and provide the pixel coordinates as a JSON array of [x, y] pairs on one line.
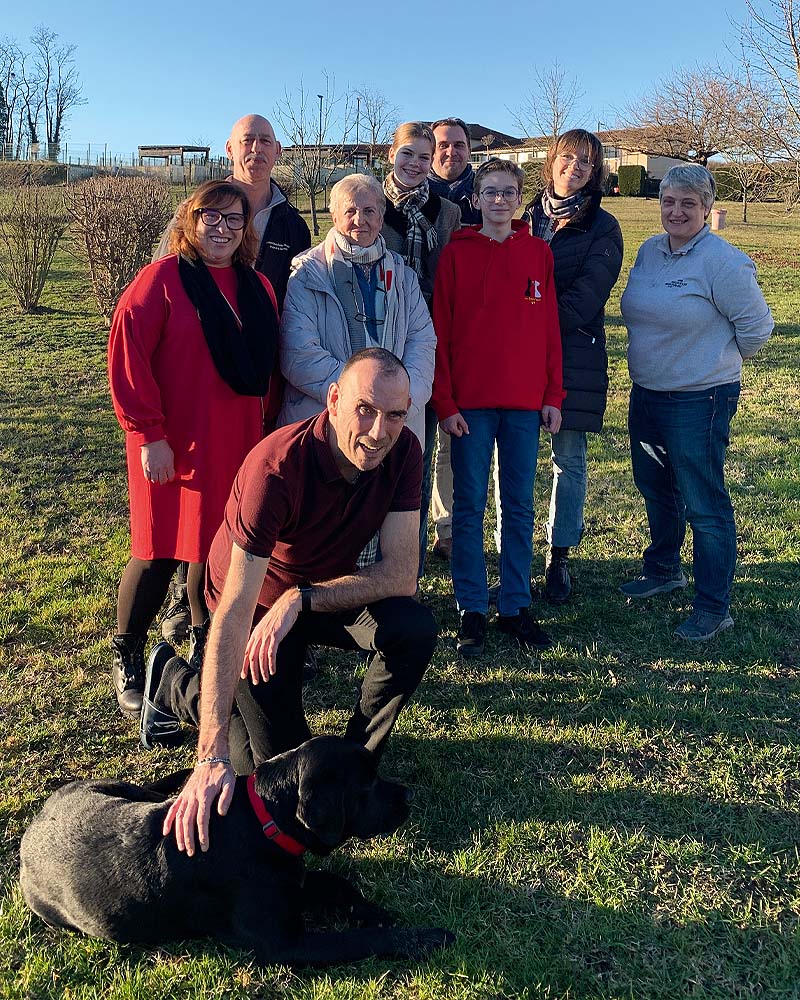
[[192, 809], [261, 652]]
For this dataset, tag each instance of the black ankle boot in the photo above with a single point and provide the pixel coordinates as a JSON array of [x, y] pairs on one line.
[[557, 584], [127, 671], [197, 644], [178, 617]]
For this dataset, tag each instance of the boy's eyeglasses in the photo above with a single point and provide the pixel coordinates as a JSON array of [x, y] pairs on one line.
[[211, 217], [582, 161], [492, 194]]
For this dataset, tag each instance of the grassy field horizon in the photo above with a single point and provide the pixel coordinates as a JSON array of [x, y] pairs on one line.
[[614, 818]]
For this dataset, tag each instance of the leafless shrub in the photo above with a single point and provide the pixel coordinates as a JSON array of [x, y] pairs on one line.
[[115, 223], [32, 221]]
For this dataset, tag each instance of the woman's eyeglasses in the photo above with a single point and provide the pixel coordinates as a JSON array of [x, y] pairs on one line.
[[211, 217], [582, 161]]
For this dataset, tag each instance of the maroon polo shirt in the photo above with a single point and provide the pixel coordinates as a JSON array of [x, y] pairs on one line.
[[290, 503]]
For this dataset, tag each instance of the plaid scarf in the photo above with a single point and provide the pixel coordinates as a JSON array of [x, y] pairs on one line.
[[554, 212], [410, 202]]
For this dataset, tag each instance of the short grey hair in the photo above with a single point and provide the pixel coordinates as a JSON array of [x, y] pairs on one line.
[[356, 182], [692, 176]]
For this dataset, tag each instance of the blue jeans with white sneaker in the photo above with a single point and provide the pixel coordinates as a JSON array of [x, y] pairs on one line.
[[517, 435], [678, 445]]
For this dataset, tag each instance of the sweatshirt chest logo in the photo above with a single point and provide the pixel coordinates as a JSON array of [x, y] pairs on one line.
[[532, 292], [677, 283]]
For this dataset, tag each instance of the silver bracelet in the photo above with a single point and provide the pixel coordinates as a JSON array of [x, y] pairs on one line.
[[215, 760]]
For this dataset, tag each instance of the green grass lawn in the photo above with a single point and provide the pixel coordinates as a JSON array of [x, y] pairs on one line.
[[617, 817]]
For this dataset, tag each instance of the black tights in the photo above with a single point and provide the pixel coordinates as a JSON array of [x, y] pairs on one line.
[[144, 586]]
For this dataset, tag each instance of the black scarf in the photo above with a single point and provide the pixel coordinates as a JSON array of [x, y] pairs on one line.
[[244, 355]]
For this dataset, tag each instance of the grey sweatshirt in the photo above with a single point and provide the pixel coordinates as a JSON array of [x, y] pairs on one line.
[[692, 315]]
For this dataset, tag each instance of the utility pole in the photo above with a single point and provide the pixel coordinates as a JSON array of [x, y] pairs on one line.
[[319, 147]]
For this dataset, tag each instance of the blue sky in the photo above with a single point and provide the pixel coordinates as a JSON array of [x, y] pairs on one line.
[[158, 71]]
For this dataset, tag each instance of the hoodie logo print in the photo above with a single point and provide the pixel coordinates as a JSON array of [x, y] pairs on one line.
[[532, 292]]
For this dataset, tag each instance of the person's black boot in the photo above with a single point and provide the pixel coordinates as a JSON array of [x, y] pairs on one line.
[[127, 671], [557, 584], [158, 724], [198, 634], [178, 617]]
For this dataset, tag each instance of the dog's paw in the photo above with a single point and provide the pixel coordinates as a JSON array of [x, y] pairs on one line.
[[367, 914]]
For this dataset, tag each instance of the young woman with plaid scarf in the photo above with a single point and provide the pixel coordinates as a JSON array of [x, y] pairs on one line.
[[417, 225]]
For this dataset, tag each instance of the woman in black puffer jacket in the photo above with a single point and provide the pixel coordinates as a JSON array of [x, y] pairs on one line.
[[587, 252]]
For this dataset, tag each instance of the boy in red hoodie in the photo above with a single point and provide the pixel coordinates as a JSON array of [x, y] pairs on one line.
[[498, 376]]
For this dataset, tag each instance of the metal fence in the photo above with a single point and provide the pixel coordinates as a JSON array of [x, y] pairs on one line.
[[84, 159]]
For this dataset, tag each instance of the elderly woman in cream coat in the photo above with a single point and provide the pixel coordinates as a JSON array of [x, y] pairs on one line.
[[349, 293]]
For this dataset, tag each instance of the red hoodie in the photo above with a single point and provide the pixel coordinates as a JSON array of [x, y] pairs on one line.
[[496, 319]]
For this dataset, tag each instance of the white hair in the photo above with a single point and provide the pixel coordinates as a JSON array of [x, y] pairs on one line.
[[356, 182]]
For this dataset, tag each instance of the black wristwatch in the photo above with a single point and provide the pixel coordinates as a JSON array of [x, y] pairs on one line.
[[305, 596]]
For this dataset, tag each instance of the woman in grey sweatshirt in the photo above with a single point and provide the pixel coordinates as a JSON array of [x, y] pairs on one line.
[[693, 310]]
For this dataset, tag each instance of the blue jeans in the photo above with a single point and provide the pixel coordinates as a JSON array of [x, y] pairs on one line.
[[678, 445], [517, 435], [565, 523]]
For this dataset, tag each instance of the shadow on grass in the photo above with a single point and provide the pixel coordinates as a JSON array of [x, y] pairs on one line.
[[509, 781], [512, 938]]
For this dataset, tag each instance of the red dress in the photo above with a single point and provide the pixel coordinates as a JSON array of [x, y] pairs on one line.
[[164, 385]]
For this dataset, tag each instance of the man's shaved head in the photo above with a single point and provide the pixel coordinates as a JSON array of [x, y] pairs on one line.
[[253, 148]]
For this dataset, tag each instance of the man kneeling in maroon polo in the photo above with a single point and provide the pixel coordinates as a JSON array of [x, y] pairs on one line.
[[282, 575]]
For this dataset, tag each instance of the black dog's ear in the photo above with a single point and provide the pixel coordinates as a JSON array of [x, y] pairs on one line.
[[320, 808]]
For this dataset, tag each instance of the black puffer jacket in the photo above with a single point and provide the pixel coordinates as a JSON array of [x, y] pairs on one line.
[[587, 256], [285, 237]]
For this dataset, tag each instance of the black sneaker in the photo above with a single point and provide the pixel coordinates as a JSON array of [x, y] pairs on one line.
[[557, 584], [158, 724], [127, 672], [525, 629], [471, 634]]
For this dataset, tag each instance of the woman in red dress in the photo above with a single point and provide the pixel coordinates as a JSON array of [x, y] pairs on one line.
[[192, 351]]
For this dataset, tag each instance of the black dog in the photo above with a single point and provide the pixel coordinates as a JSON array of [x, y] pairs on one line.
[[95, 860]]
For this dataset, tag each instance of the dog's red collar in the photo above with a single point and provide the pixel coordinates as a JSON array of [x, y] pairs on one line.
[[269, 826]]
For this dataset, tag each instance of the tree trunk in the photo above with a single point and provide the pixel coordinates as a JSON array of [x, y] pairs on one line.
[[312, 195], [744, 204]]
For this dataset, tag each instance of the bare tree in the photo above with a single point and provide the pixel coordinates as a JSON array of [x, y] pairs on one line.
[[751, 147], [316, 131], [376, 118], [550, 105], [22, 88], [487, 140], [3, 121], [770, 41], [61, 88], [31, 99], [687, 116], [9, 69]]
